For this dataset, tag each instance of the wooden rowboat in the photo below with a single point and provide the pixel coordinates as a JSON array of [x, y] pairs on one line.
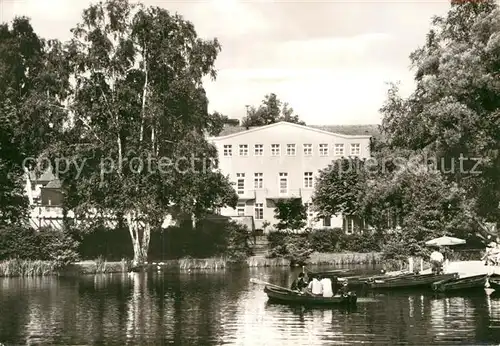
[[410, 281], [358, 280], [287, 297], [494, 282], [330, 273], [455, 284]]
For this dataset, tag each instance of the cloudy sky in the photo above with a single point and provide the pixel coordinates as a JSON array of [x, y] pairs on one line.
[[329, 59]]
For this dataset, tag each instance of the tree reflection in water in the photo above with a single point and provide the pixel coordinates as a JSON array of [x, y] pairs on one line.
[[214, 308]]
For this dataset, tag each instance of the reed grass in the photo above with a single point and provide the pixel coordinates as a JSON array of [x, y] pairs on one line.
[[213, 263], [98, 266], [27, 268], [17, 267], [347, 258], [262, 261]]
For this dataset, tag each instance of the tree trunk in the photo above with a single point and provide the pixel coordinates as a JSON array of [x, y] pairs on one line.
[[140, 236], [144, 94], [29, 190]]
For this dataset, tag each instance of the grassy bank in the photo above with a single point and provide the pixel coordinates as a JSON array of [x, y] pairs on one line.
[[26, 268]]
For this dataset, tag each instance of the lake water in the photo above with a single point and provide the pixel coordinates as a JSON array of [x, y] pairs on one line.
[[220, 308]]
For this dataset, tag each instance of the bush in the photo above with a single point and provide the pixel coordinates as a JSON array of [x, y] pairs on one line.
[[46, 244], [361, 242], [237, 246], [326, 240], [19, 242], [335, 240], [58, 246], [298, 247], [111, 244], [295, 247]]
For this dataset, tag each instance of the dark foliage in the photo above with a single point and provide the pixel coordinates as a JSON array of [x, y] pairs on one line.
[[291, 214], [271, 111], [46, 244], [226, 239], [298, 246]]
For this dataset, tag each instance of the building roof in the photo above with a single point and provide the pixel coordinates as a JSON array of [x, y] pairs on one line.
[[53, 184], [351, 130], [45, 176]]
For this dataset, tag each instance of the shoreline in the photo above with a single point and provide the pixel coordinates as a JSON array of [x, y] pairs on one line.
[[28, 268]]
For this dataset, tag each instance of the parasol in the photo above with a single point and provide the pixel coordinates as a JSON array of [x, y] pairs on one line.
[[445, 241]]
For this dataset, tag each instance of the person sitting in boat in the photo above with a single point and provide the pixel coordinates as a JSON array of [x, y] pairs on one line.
[[437, 260], [315, 287], [326, 285], [300, 283], [344, 290]]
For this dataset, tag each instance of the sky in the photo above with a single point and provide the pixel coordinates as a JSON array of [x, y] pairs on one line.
[[330, 60]]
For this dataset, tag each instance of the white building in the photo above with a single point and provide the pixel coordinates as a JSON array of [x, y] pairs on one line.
[[281, 161]]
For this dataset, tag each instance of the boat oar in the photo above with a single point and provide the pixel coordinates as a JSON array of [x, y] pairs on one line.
[[261, 282]]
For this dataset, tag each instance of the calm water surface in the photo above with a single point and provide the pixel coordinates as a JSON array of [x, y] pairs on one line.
[[220, 308]]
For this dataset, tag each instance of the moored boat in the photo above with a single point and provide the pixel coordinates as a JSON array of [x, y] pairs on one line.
[[363, 279], [330, 273], [494, 282], [409, 281], [455, 284], [287, 297]]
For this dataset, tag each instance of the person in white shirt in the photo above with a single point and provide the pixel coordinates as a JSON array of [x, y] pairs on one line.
[[315, 287], [326, 285], [437, 260]]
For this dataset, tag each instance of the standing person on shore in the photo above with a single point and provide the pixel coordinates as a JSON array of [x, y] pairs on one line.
[[437, 260]]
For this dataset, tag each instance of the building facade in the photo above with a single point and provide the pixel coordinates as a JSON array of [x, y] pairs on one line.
[[281, 161]]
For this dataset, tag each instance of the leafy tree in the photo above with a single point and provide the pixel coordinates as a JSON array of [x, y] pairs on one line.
[[455, 107], [421, 202], [33, 81], [140, 117], [338, 188], [291, 214], [216, 123], [271, 111], [399, 191]]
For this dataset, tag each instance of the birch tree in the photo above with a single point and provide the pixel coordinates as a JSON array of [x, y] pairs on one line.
[[139, 114]]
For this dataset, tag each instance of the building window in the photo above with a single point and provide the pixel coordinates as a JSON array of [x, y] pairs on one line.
[[258, 180], [352, 223], [323, 149], [275, 150], [243, 149], [259, 211], [308, 180], [308, 149], [290, 149], [228, 150], [327, 221], [240, 209], [339, 149], [240, 183], [258, 149], [355, 149], [348, 224], [283, 183]]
